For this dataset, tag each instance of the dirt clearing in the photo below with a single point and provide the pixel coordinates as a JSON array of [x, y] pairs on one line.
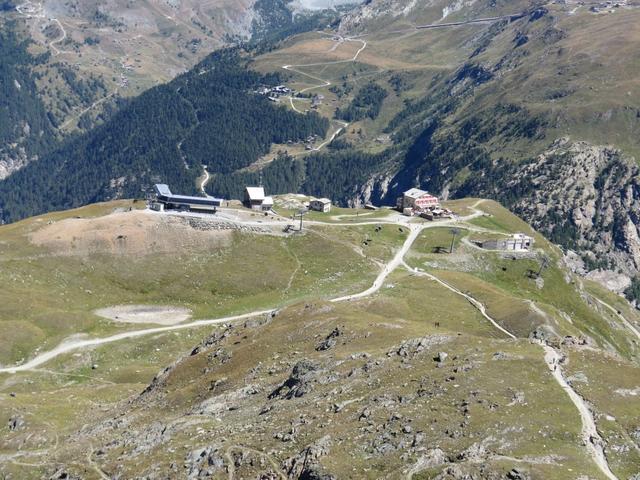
[[159, 315], [134, 233]]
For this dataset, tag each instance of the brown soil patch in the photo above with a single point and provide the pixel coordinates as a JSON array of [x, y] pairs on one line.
[[132, 233]]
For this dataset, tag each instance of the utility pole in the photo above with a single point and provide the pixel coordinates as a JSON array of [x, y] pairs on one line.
[[454, 232], [301, 212], [544, 263]]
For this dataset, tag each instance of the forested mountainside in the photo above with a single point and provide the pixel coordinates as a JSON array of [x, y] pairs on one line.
[[210, 116], [534, 104], [68, 66], [26, 128], [42, 98], [529, 107]]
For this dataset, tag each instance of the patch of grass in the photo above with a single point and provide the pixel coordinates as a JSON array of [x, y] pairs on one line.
[[614, 401], [501, 219], [53, 296], [438, 240], [377, 242]]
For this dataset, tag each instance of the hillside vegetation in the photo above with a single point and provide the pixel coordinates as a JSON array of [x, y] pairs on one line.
[[531, 107], [209, 116], [509, 107], [411, 380], [26, 129], [68, 65]]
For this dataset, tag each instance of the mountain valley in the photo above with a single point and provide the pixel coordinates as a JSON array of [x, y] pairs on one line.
[[320, 330]]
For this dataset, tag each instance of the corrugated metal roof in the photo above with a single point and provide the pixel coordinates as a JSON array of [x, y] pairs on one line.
[[187, 198], [322, 200], [164, 192], [255, 193]]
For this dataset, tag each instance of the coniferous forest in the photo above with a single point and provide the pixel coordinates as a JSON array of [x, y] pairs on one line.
[[24, 121], [208, 116], [366, 103]]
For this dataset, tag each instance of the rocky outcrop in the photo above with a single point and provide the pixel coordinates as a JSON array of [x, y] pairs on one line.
[[305, 465], [16, 422], [585, 197], [204, 463], [375, 10], [10, 163], [299, 383]]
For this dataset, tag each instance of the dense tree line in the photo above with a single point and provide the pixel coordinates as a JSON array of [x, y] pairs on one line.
[[366, 104], [334, 174], [208, 116], [23, 116], [283, 175]]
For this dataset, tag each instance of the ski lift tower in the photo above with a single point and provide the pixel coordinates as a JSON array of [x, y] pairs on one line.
[[302, 212]]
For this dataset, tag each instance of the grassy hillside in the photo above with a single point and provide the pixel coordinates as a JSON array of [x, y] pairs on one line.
[[500, 99], [359, 388], [65, 266], [510, 107]]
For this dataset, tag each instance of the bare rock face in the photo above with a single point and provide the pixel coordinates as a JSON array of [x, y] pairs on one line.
[[204, 463], [586, 197], [305, 464], [16, 423], [299, 383], [12, 160], [330, 341], [62, 474]]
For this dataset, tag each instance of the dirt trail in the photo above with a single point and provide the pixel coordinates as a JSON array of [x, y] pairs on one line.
[[205, 180], [325, 83], [160, 315], [480, 306], [77, 344], [395, 262], [590, 435]]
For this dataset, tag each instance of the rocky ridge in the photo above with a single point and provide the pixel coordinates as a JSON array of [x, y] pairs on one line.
[[586, 197]]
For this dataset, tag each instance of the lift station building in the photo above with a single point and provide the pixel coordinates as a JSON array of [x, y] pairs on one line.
[[167, 200]]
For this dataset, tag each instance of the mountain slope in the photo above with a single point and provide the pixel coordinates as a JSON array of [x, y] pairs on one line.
[[520, 101], [500, 99], [25, 127], [207, 117], [445, 371], [78, 60], [527, 84]]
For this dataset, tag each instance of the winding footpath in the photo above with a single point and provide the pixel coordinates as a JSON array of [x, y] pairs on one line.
[[395, 262], [36, 10], [478, 305], [324, 83], [206, 179], [590, 435]]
